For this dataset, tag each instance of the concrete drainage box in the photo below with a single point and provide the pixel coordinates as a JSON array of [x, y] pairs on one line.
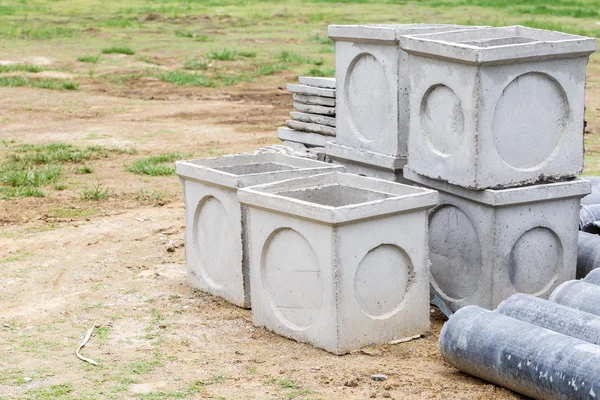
[[488, 245], [339, 260], [497, 107], [372, 91], [215, 236]]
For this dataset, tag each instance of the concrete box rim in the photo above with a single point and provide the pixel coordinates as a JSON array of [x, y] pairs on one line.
[[306, 138], [366, 157], [205, 170], [388, 32], [575, 188], [543, 44], [403, 198]]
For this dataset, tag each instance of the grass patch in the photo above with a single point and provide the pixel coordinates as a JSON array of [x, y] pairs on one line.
[[20, 68], [19, 31], [327, 72], [318, 39], [18, 257], [95, 193], [51, 392], [269, 69], [186, 78], [72, 212], [89, 59], [288, 57], [191, 35], [222, 55], [194, 64], [86, 169], [247, 54], [20, 81], [118, 50], [155, 165]]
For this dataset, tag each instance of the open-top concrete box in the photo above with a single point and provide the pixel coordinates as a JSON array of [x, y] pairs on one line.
[[497, 107], [486, 245], [215, 236], [339, 260], [372, 90]]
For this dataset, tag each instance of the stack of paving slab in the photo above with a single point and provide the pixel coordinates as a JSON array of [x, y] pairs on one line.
[[313, 121], [496, 126]]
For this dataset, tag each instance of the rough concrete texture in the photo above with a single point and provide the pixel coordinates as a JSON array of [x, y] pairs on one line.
[[490, 244], [306, 138], [313, 118], [215, 235], [496, 107], [315, 100], [528, 359], [371, 171], [580, 295], [321, 82], [593, 277], [328, 264], [553, 316], [365, 157], [311, 109], [310, 128], [588, 254], [310, 90], [372, 86]]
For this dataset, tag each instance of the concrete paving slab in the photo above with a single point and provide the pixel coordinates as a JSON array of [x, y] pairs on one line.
[[311, 128], [313, 118]]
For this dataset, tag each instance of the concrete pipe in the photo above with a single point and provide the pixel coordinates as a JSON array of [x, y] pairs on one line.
[[530, 360], [579, 295], [593, 277], [553, 316], [588, 253]]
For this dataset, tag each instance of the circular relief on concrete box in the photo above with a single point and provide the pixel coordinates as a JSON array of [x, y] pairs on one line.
[[535, 260], [455, 253], [368, 99], [213, 242], [530, 117], [291, 278], [382, 279], [442, 119]]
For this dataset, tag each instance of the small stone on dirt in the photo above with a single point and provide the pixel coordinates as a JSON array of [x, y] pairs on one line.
[[352, 382], [6, 325], [27, 379], [379, 377]]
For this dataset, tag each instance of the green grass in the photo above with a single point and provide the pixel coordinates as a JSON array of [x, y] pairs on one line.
[[21, 31], [247, 54], [194, 64], [161, 165], [118, 50], [51, 392], [186, 78], [86, 169], [269, 69], [89, 59], [95, 193], [20, 68], [55, 84], [328, 72], [223, 55], [289, 57]]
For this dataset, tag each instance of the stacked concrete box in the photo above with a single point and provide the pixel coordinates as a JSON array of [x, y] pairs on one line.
[[497, 107], [489, 244], [313, 121], [338, 260], [373, 93], [215, 220]]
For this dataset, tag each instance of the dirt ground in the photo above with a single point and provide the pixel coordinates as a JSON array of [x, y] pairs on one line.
[[121, 266]]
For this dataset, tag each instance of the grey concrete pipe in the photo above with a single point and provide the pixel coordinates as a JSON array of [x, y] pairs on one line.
[[588, 253], [579, 295], [593, 277], [589, 218], [553, 316], [530, 360]]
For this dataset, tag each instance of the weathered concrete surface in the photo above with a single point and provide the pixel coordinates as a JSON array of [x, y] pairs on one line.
[[365, 157], [313, 118], [490, 244], [579, 295], [593, 277], [311, 128], [215, 234], [321, 110], [530, 360], [305, 138], [497, 107], [553, 316], [328, 264], [315, 100], [321, 82], [310, 90], [372, 85], [588, 254], [371, 171]]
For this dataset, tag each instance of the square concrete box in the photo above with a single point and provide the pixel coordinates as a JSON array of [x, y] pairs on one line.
[[339, 260], [489, 244], [372, 92], [215, 235], [497, 107]]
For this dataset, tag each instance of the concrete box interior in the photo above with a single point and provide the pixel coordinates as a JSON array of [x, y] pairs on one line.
[[497, 107], [488, 245], [215, 235], [338, 260]]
